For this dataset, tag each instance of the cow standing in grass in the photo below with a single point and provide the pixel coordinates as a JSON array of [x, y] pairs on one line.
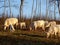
[[10, 22], [40, 23], [53, 29], [22, 25]]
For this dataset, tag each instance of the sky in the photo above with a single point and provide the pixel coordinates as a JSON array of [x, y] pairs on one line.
[[27, 7]]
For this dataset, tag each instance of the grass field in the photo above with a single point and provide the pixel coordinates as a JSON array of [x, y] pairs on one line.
[[20, 37]]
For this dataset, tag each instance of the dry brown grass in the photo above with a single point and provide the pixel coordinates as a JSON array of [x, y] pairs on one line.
[[27, 37]]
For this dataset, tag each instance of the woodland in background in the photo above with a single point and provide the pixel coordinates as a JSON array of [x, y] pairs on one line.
[[48, 15]]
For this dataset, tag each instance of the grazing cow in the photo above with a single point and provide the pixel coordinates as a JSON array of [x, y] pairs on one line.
[[51, 28], [39, 23], [10, 22], [22, 25], [54, 30]]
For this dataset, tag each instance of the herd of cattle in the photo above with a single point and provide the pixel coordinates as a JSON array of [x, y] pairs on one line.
[[52, 27]]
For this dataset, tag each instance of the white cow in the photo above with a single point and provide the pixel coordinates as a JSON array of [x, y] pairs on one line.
[[10, 22], [22, 24], [39, 23], [53, 30]]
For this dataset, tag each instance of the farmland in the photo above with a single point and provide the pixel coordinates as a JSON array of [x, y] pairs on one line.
[[20, 37]]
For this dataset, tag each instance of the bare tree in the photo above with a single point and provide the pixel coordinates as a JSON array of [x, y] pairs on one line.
[[4, 6], [32, 10], [21, 8], [36, 7], [54, 2], [7, 6], [35, 10], [46, 9], [9, 1], [40, 9], [10, 8], [58, 6], [54, 9]]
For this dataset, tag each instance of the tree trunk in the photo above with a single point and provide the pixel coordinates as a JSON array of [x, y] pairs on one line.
[[32, 11], [21, 8], [40, 9], [35, 10], [10, 8], [58, 6], [46, 9], [4, 8], [54, 10]]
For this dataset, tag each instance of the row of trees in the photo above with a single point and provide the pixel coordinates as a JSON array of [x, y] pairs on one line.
[[48, 11], [34, 10]]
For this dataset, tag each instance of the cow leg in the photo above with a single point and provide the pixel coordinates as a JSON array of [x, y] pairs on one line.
[[55, 34], [30, 28], [12, 28], [52, 34], [48, 34], [5, 28], [43, 28]]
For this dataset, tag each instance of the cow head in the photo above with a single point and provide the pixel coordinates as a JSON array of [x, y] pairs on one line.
[[48, 25]]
